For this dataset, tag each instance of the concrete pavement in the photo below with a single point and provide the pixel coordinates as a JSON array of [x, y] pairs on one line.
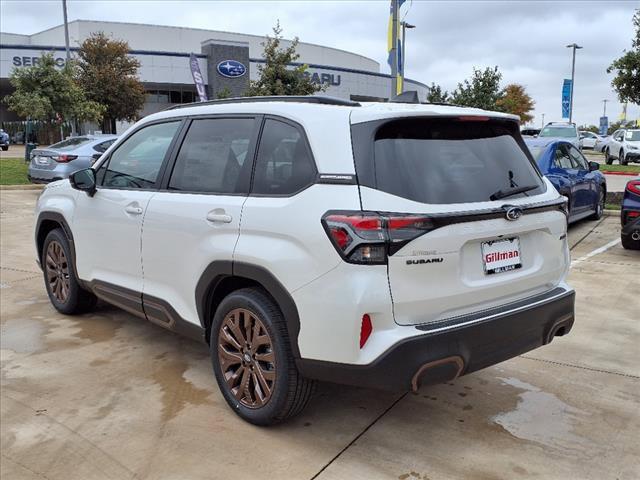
[[109, 396]]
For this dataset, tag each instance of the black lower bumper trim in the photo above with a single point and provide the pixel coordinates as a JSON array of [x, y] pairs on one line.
[[478, 345]]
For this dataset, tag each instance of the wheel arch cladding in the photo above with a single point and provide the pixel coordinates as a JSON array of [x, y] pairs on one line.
[[222, 277], [48, 221]]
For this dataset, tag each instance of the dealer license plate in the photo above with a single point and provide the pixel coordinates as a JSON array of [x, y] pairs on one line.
[[501, 255]]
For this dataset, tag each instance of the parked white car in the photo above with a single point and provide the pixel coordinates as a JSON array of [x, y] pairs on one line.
[[624, 146], [308, 238], [589, 140]]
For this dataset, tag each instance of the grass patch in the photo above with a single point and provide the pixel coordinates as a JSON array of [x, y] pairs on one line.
[[620, 168], [612, 206], [13, 171]]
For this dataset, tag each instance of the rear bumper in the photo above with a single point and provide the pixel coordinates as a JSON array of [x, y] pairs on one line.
[[445, 354], [33, 179]]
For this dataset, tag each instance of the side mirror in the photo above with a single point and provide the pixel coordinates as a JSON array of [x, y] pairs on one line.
[[84, 180], [594, 166]]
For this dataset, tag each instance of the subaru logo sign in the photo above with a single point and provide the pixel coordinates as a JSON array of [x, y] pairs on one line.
[[512, 213], [231, 68]]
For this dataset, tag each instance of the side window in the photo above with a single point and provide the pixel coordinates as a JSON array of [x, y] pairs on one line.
[[136, 163], [562, 159], [577, 159], [213, 155], [284, 165]]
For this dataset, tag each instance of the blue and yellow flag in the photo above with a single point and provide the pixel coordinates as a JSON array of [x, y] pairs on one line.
[[399, 61]]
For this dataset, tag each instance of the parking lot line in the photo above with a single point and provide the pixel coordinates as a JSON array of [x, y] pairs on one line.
[[595, 252]]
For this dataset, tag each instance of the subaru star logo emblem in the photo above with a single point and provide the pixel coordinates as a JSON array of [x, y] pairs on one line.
[[231, 68], [512, 213]]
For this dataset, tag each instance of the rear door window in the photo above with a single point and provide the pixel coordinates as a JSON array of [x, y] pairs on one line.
[[284, 165], [441, 161], [563, 160], [213, 156]]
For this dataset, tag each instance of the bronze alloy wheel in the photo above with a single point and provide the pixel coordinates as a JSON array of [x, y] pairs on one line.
[[57, 268], [246, 357]]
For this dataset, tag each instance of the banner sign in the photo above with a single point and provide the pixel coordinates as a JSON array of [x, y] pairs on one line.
[[197, 78], [566, 98], [604, 125]]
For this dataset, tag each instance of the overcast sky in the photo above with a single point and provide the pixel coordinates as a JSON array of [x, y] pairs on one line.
[[526, 40]]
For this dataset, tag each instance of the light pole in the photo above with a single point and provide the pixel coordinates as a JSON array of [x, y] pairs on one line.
[[405, 25], [542, 121], [604, 109], [574, 47], [66, 29]]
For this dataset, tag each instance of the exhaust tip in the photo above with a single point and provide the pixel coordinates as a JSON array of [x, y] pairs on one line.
[[635, 236], [438, 371]]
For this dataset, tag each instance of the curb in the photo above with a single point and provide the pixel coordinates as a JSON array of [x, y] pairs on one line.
[[613, 213], [605, 172], [21, 187]]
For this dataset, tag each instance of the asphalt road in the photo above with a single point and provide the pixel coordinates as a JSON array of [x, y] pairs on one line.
[[109, 396]]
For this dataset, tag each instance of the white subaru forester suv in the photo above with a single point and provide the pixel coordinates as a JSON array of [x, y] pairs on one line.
[[308, 238]]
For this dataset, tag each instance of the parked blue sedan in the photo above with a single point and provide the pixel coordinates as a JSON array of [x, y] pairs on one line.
[[573, 176]]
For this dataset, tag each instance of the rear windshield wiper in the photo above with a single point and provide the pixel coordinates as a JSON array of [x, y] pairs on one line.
[[511, 191]]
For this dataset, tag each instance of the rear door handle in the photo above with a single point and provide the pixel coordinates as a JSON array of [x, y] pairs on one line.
[[133, 210], [219, 217]]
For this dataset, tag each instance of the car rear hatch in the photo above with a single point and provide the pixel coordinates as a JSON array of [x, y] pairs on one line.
[[44, 159], [459, 239]]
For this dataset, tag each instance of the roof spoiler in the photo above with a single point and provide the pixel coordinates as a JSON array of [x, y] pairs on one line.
[[410, 96]]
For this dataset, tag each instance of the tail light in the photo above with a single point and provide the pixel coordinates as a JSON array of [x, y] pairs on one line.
[[634, 186], [369, 237], [64, 158], [631, 215]]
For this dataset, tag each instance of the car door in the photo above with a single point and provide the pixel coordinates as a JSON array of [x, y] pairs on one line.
[[583, 192], [107, 225], [565, 168], [194, 219], [589, 179]]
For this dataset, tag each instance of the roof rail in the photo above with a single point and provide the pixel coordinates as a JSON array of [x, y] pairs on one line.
[[276, 98]]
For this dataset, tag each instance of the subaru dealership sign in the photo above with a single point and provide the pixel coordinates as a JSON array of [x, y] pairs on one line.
[[566, 98], [231, 68]]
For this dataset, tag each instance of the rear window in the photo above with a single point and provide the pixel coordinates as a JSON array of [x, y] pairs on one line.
[[561, 132], [444, 161], [70, 143]]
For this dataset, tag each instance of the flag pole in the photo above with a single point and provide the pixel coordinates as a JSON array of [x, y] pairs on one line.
[[394, 48]]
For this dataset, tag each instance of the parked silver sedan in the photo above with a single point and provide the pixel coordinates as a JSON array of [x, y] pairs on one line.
[[61, 159]]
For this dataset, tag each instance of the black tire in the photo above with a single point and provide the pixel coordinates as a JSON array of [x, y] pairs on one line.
[[290, 391], [622, 159], [629, 243], [607, 157], [597, 215], [76, 300], [5, 148]]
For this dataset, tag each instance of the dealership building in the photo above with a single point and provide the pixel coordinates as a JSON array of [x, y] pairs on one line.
[[227, 61]]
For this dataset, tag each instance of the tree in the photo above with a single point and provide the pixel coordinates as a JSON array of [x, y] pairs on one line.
[[627, 80], [224, 93], [482, 91], [50, 94], [437, 95], [274, 76], [110, 76], [514, 99]]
